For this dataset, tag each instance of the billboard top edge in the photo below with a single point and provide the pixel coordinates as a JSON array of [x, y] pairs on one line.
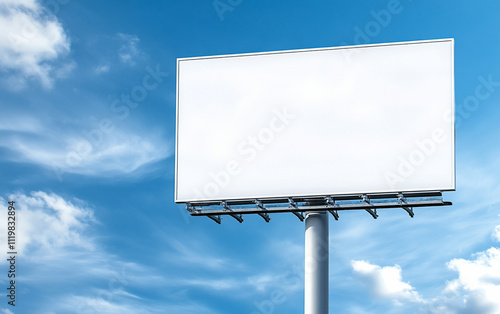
[[316, 49]]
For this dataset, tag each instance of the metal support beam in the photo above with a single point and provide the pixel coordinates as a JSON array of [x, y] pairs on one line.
[[235, 216], [334, 214], [217, 219], [301, 206], [402, 200], [263, 215], [331, 203], [299, 215], [305, 209], [372, 212], [316, 263], [294, 206], [409, 210], [365, 198]]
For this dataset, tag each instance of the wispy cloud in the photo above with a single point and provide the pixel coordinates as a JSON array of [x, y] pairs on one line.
[[30, 41], [129, 49], [21, 124], [102, 68], [123, 304], [195, 253], [92, 152]]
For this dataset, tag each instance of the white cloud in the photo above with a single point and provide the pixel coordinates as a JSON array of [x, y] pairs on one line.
[[496, 233], [386, 282], [57, 248], [91, 153], [128, 51], [30, 41], [102, 68], [121, 153], [49, 221], [476, 290]]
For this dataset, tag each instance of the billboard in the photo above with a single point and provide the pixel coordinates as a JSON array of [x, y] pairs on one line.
[[332, 121]]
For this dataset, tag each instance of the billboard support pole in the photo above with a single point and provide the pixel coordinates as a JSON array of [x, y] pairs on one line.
[[316, 263]]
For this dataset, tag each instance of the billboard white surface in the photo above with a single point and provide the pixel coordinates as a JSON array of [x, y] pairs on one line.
[[331, 121]]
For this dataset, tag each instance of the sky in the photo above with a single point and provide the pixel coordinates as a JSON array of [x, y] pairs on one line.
[[87, 142]]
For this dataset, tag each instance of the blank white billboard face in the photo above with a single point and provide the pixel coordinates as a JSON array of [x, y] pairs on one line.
[[346, 120]]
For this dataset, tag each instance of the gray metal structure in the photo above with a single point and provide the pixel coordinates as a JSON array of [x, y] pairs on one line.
[[313, 210], [331, 203]]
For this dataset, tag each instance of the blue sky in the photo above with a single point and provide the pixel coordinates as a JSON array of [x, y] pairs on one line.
[[87, 100]]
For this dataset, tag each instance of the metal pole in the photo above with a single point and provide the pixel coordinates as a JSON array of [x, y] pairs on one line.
[[316, 263]]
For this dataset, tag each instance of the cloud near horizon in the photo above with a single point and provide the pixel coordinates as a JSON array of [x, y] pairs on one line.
[[476, 289], [49, 222]]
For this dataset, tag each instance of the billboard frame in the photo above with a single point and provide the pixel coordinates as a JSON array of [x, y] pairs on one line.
[[284, 198]]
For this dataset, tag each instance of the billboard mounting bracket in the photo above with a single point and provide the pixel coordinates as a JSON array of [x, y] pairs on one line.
[[335, 214], [372, 212], [235, 216], [263, 215], [402, 200], [331, 202], [217, 219], [293, 205], [299, 206]]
